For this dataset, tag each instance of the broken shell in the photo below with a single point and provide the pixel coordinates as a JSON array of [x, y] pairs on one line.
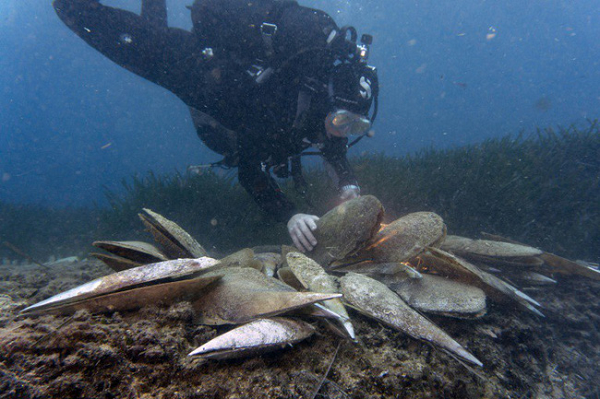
[[176, 242], [376, 300], [344, 229], [258, 336]]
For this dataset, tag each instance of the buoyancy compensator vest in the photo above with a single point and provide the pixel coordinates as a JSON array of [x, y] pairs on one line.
[[261, 33], [266, 36]]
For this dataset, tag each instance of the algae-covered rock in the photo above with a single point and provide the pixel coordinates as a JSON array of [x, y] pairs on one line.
[[346, 228]]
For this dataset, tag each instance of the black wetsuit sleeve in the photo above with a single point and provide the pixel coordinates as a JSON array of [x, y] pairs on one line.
[[143, 45], [155, 12], [265, 191], [334, 152]]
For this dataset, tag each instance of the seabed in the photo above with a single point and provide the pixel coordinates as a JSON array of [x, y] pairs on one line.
[[143, 354]]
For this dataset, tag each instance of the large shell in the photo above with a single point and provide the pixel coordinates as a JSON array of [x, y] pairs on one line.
[[437, 295], [270, 262], [555, 262], [345, 228], [162, 294], [136, 251], [315, 278], [241, 258], [117, 263], [258, 336], [389, 268], [261, 249], [176, 242], [533, 278], [516, 262], [405, 238], [378, 301], [449, 265], [244, 294], [566, 266], [286, 275], [463, 246], [127, 280]]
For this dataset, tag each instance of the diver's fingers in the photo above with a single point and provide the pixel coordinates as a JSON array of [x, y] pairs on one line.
[[304, 239], [297, 243], [298, 238], [311, 222], [300, 227], [307, 233], [302, 243]]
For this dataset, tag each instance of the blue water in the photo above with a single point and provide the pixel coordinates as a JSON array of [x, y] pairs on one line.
[[451, 73]]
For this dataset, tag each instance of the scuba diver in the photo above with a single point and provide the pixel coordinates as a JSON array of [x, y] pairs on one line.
[[264, 81]]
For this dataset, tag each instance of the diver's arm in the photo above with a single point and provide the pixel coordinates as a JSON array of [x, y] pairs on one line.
[[143, 45], [155, 12], [334, 152], [263, 188], [265, 191]]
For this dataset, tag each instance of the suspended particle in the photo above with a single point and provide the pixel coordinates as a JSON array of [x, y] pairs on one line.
[[126, 38]]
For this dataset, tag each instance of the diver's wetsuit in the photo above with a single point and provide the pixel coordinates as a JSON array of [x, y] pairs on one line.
[[263, 117]]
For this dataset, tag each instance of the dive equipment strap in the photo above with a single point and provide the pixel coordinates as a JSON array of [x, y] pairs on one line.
[[260, 70], [267, 31]]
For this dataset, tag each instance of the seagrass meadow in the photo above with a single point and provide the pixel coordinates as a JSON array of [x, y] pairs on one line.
[[541, 188]]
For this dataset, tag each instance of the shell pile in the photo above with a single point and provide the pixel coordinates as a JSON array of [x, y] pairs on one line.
[[392, 273]]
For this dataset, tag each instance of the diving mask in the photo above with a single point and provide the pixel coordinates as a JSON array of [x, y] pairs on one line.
[[343, 123]]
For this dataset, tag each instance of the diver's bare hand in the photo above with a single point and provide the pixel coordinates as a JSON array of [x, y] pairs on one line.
[[301, 227], [349, 192]]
